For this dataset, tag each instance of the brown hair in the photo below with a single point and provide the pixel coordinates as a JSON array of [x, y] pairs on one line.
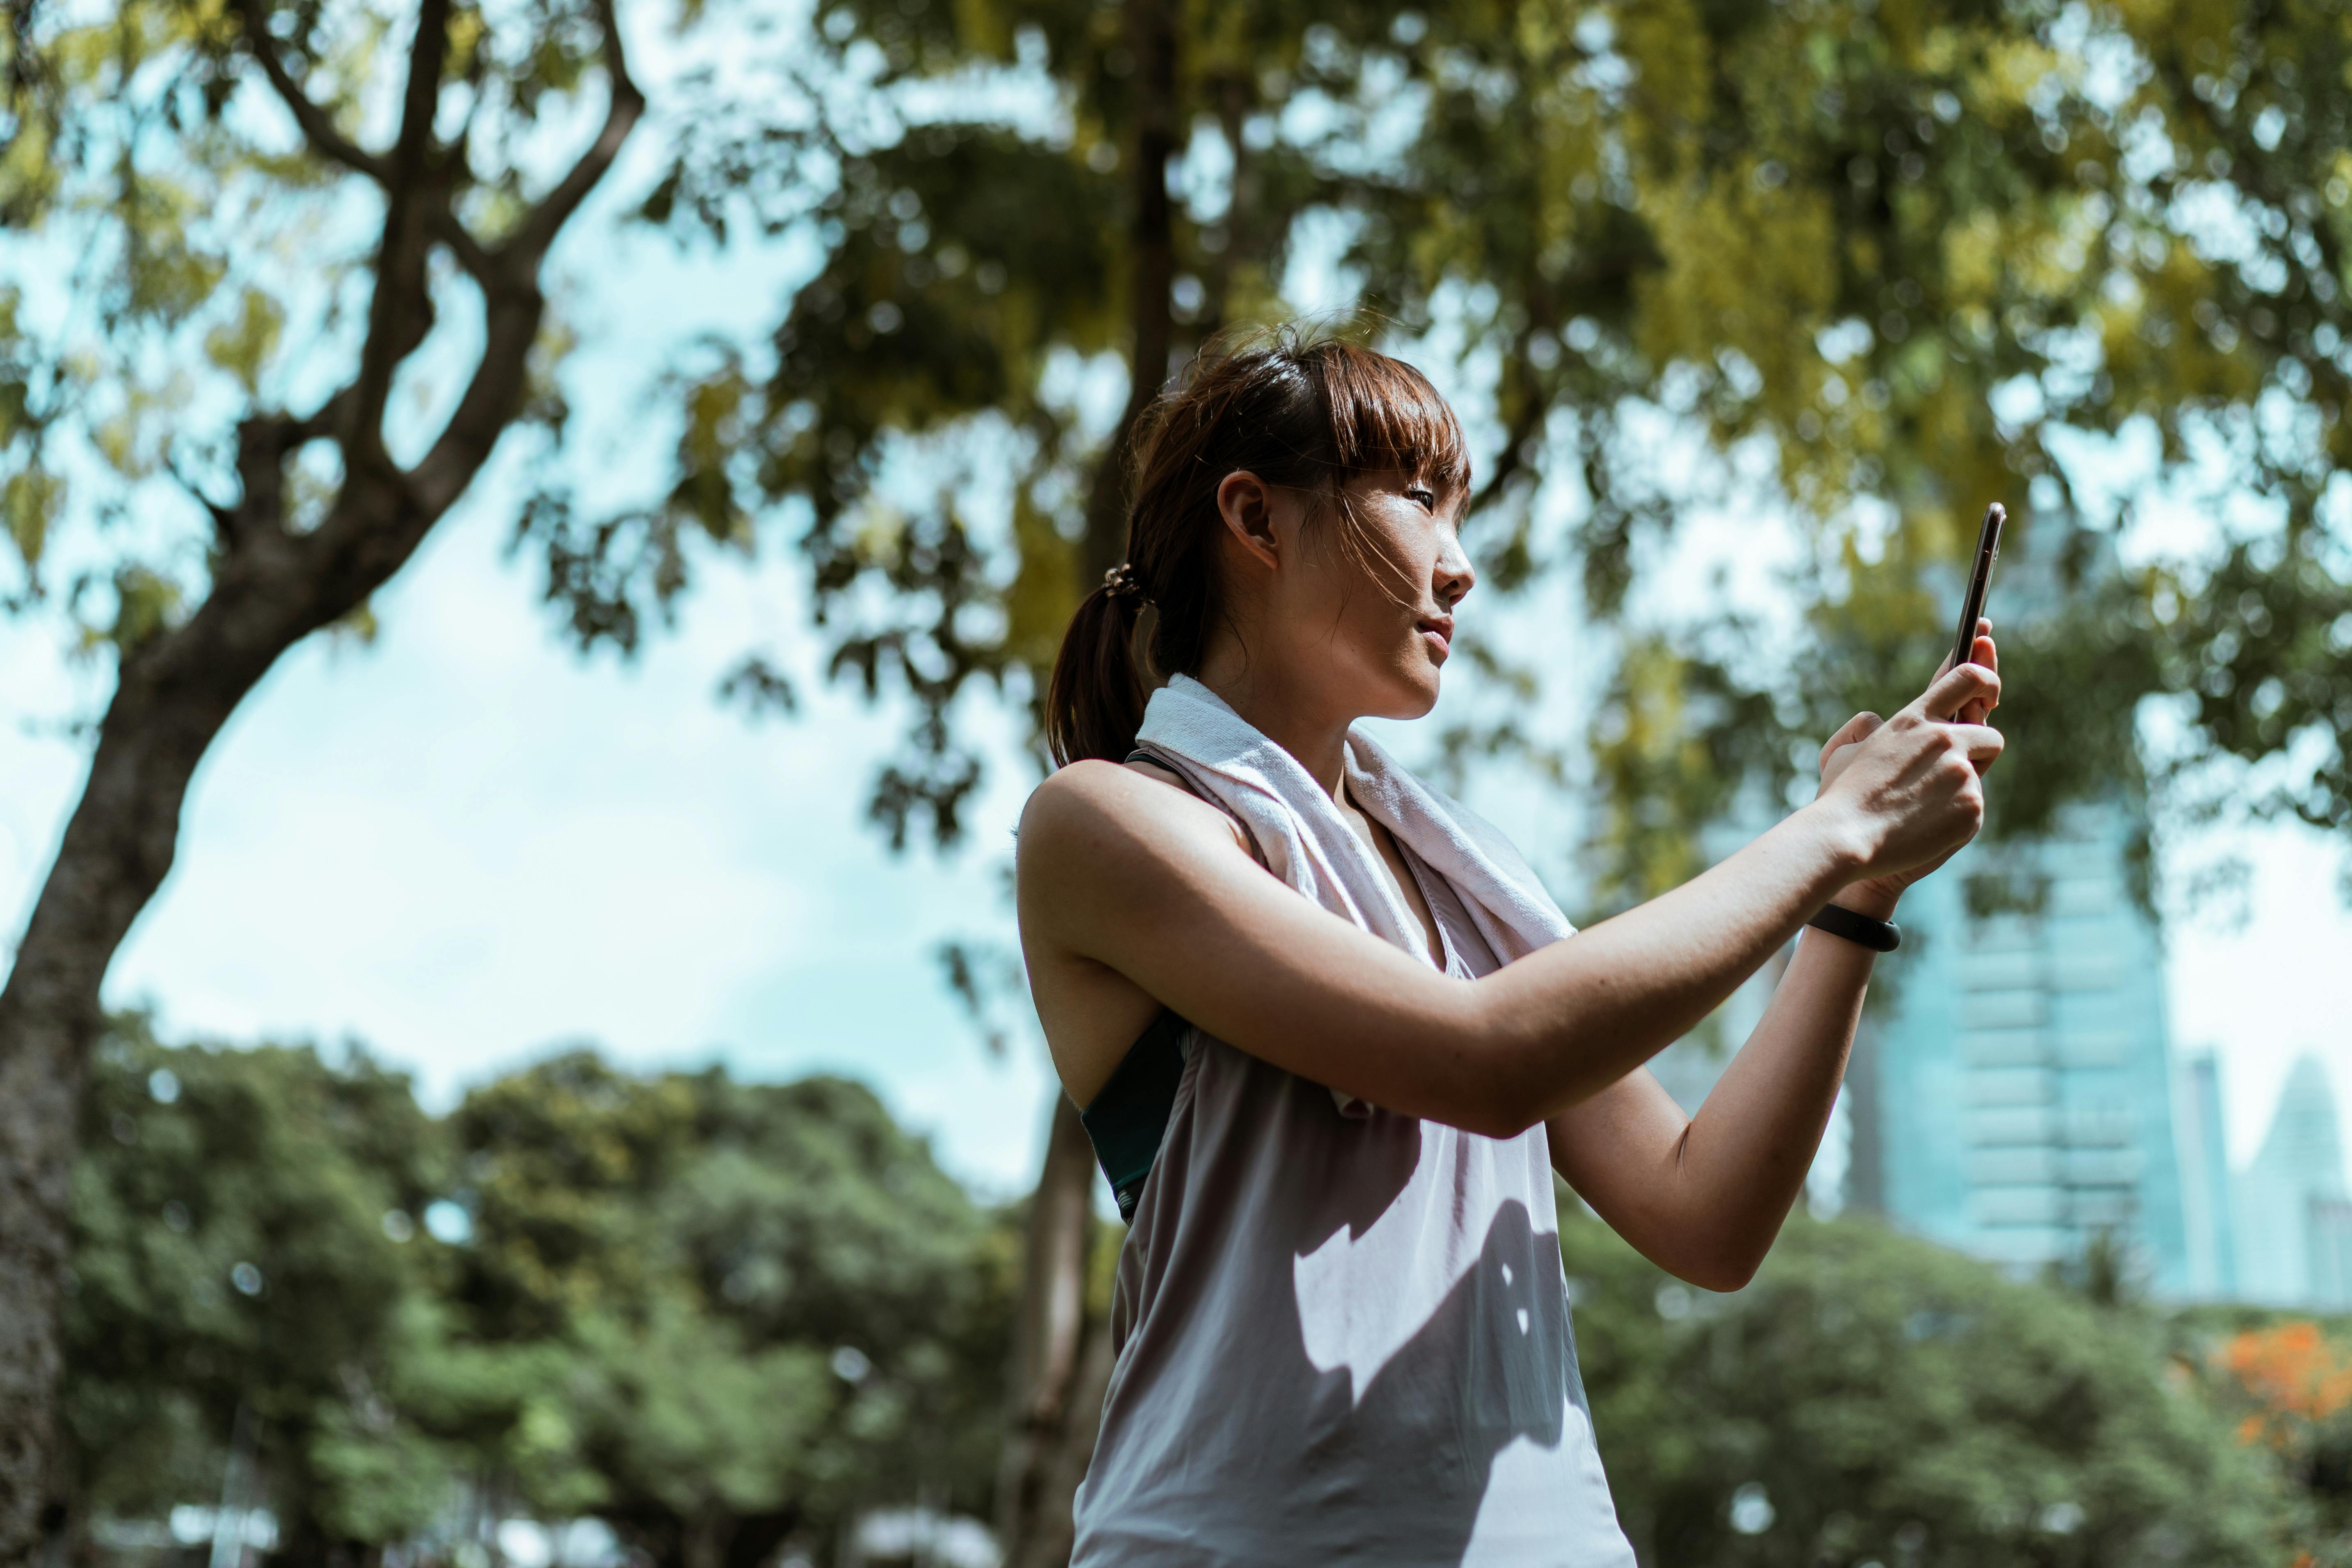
[[1299, 413]]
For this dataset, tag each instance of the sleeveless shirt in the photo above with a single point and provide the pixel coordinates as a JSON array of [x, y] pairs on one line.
[[1342, 1336]]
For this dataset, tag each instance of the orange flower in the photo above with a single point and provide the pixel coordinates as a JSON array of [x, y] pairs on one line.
[[2292, 1372]]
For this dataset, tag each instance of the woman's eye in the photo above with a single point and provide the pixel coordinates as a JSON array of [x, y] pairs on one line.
[[1426, 498]]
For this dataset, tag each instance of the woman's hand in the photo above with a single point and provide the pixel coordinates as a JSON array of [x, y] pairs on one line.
[[1913, 795]]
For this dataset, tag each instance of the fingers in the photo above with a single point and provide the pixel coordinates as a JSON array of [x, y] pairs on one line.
[[1858, 727], [1958, 688], [1981, 742], [1983, 651], [1984, 635]]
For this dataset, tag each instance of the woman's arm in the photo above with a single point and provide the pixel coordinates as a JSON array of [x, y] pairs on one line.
[[1704, 1196], [1112, 878]]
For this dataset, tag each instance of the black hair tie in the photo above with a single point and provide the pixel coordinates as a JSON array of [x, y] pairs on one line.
[[1120, 583]]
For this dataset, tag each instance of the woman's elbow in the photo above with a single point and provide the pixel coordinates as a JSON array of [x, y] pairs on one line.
[[1507, 1081], [1720, 1274], [1722, 1264], [1500, 1122]]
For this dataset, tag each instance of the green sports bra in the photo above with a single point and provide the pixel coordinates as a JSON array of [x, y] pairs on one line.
[[1128, 1118]]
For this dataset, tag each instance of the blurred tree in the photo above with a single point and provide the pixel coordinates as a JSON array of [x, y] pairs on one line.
[[1874, 1398], [770, 1308], [231, 227], [247, 1254], [722, 1317], [2290, 1382]]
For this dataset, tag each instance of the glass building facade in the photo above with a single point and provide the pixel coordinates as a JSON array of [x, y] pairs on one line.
[[2292, 1209], [2014, 1096]]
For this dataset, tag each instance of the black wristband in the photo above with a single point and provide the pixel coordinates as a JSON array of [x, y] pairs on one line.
[[1879, 936]]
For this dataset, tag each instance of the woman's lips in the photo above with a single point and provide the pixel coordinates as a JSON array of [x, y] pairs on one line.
[[1439, 630]]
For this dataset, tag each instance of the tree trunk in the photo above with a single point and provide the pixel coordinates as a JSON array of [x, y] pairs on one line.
[[117, 848], [270, 588], [1151, 272], [1049, 1340], [1055, 1531], [1062, 1362]]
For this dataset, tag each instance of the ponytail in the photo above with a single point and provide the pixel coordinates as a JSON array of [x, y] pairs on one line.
[[1303, 414], [1095, 704]]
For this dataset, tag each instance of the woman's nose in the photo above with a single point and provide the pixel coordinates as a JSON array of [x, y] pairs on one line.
[[1455, 575]]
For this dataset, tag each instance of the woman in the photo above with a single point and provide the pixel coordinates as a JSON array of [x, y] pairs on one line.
[[1331, 1097]]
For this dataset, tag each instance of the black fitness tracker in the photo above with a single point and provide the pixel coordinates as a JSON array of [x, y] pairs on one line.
[[1879, 936]]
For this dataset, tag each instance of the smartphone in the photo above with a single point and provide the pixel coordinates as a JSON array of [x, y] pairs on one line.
[[1964, 641]]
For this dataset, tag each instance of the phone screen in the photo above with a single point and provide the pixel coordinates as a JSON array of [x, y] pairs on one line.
[[1972, 604]]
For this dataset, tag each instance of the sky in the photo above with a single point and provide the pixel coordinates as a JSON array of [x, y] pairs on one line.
[[464, 845]]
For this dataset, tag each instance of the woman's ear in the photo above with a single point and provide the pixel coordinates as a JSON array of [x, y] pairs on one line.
[[1247, 503]]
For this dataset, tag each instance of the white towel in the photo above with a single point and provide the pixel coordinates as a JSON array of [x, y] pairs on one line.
[[1307, 843]]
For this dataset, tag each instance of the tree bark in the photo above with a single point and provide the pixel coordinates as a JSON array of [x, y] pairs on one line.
[[270, 589], [1056, 1530], [1151, 272], [1061, 1362], [1049, 1342]]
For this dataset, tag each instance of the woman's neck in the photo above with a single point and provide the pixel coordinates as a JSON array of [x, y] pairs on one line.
[[1291, 714]]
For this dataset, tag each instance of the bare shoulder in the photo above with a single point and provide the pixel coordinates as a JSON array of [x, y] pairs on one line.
[[1091, 809], [1104, 851]]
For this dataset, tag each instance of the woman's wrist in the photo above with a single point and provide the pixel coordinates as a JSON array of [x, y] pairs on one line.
[[1869, 898], [1840, 839], [1841, 842]]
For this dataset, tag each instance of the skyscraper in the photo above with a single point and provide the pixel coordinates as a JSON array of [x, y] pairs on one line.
[[2013, 1097], [2292, 1214], [2206, 1201]]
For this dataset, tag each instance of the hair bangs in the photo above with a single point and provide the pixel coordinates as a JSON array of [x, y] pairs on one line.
[[1385, 414]]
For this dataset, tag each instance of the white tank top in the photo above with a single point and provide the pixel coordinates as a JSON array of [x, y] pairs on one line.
[[1342, 1338]]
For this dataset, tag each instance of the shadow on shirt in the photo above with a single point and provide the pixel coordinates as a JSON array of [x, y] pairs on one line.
[[1282, 1460]]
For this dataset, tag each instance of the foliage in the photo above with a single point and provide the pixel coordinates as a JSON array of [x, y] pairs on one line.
[[776, 1308], [2291, 1381], [178, 198], [721, 1316], [1909, 255], [1871, 1398], [246, 1237]]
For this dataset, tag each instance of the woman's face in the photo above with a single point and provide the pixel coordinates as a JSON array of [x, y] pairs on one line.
[[1360, 632]]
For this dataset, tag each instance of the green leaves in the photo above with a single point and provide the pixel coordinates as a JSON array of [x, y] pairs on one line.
[[243, 344], [766, 1298], [701, 1308], [1892, 1401], [30, 500], [232, 1246]]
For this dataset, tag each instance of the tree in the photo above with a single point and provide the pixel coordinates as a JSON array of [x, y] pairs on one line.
[[725, 1318], [760, 1307], [251, 1287], [173, 149], [1871, 1397], [2290, 1385]]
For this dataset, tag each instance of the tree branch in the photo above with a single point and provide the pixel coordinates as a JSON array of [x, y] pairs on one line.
[[318, 129], [1512, 462], [225, 519], [451, 230], [538, 232], [515, 307], [401, 312]]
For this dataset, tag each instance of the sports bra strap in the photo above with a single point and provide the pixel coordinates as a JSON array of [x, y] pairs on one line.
[[1160, 760]]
